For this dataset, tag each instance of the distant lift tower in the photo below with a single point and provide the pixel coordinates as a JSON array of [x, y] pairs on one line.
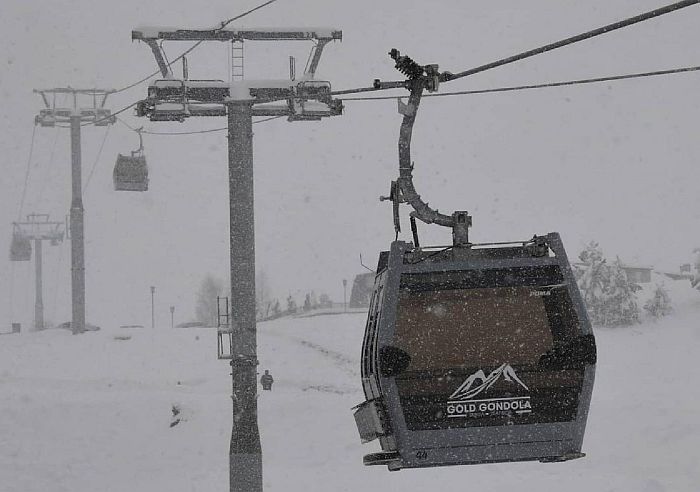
[[74, 116], [302, 99], [36, 228]]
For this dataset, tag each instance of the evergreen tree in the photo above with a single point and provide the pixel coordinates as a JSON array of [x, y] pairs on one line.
[[696, 279], [592, 281], [291, 305], [276, 310], [325, 301], [262, 294], [205, 306], [620, 307], [659, 305], [609, 296]]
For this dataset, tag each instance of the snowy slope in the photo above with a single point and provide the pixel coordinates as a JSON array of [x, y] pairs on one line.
[[92, 413]]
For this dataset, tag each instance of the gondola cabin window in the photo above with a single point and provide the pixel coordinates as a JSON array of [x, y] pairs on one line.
[[463, 328], [471, 351]]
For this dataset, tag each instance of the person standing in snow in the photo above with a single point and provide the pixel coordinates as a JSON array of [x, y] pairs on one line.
[[266, 381]]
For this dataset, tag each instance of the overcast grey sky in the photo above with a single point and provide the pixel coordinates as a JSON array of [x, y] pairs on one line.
[[612, 162]]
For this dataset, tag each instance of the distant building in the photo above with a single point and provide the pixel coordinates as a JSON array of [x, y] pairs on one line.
[[637, 274], [361, 290]]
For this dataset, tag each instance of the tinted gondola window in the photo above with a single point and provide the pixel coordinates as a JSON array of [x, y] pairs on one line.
[[475, 351], [472, 327]]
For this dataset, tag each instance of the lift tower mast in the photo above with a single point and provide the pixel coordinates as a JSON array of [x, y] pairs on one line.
[[74, 116], [38, 228], [305, 99]]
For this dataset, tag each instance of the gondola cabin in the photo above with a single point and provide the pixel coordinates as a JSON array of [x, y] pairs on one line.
[[475, 354], [130, 173], [20, 247]]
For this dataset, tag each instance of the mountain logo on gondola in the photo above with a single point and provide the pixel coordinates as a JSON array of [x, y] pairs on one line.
[[463, 402], [471, 389]]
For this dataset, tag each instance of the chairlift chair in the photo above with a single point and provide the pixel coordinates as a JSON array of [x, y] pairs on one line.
[[20, 247], [313, 102], [131, 172], [45, 118], [472, 353]]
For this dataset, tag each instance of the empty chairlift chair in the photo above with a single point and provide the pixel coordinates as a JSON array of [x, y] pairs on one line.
[[20, 248], [131, 172]]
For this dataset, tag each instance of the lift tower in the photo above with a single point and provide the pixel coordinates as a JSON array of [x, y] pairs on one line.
[[304, 99], [74, 116], [38, 228]]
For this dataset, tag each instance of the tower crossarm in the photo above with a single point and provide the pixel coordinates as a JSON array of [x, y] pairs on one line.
[[327, 34], [37, 226]]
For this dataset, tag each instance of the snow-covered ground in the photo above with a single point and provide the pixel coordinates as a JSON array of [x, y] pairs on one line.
[[93, 412]]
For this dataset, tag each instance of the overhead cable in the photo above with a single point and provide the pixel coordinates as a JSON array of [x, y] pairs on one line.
[[539, 86], [194, 132], [26, 175], [543, 49], [580, 37], [97, 159]]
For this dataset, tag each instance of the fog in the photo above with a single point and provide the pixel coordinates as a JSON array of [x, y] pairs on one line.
[[613, 162]]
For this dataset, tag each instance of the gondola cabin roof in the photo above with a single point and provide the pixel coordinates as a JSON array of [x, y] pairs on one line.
[[474, 355]]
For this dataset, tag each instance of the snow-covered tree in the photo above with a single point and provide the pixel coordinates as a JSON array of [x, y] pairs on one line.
[[592, 281], [263, 294], [291, 305], [609, 296], [325, 301], [660, 304], [620, 306], [696, 279], [205, 307], [276, 311]]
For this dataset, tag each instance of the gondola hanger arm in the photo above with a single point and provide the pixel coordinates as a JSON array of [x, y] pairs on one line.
[[420, 78]]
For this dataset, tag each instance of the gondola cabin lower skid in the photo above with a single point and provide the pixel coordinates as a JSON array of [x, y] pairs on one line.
[[130, 173], [476, 354]]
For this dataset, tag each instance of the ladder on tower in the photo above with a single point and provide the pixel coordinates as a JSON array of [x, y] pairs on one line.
[[236, 59], [224, 349]]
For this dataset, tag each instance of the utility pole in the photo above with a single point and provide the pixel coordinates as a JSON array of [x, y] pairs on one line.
[[39, 288], [153, 307], [75, 116], [172, 317], [38, 228], [171, 99], [345, 295]]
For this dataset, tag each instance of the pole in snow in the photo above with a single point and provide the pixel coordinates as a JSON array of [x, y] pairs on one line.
[[345, 295], [153, 308]]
